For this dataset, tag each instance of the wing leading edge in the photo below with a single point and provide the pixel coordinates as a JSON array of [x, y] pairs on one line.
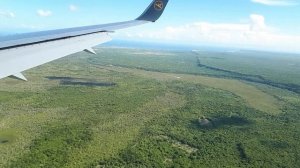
[[25, 51]]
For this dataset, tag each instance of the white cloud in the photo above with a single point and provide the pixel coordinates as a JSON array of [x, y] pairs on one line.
[[44, 13], [73, 8], [7, 14], [257, 23], [275, 2], [255, 34]]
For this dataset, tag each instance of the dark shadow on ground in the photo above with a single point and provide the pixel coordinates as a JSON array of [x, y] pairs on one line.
[[220, 122], [3, 141], [103, 84], [63, 78], [7, 138], [243, 156], [275, 144], [80, 81]]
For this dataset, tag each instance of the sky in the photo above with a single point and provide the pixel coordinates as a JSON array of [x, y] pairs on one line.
[[272, 25]]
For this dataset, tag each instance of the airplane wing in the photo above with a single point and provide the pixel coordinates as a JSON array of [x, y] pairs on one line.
[[25, 51]]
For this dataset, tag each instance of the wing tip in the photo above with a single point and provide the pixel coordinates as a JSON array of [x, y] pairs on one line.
[[154, 10]]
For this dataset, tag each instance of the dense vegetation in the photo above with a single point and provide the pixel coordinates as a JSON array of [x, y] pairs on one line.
[[140, 108], [238, 137]]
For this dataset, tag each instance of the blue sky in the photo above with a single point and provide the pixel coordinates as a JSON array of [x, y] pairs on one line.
[[253, 24]]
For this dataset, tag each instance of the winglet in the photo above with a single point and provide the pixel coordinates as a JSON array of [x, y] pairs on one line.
[[154, 11]]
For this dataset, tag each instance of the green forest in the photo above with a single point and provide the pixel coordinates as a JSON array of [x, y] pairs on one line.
[[154, 108]]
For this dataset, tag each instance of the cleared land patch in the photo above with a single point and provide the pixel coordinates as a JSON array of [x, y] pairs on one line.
[[253, 96]]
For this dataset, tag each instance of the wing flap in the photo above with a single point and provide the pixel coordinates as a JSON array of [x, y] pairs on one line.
[[90, 50], [19, 76]]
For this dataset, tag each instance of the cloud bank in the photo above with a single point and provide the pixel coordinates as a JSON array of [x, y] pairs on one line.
[[254, 34]]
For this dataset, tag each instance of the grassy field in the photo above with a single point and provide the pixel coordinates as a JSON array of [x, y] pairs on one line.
[[147, 108]]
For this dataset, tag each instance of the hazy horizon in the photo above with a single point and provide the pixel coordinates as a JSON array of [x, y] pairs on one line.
[[177, 46]]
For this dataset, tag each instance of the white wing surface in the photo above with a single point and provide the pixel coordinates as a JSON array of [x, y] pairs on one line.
[[24, 51]]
